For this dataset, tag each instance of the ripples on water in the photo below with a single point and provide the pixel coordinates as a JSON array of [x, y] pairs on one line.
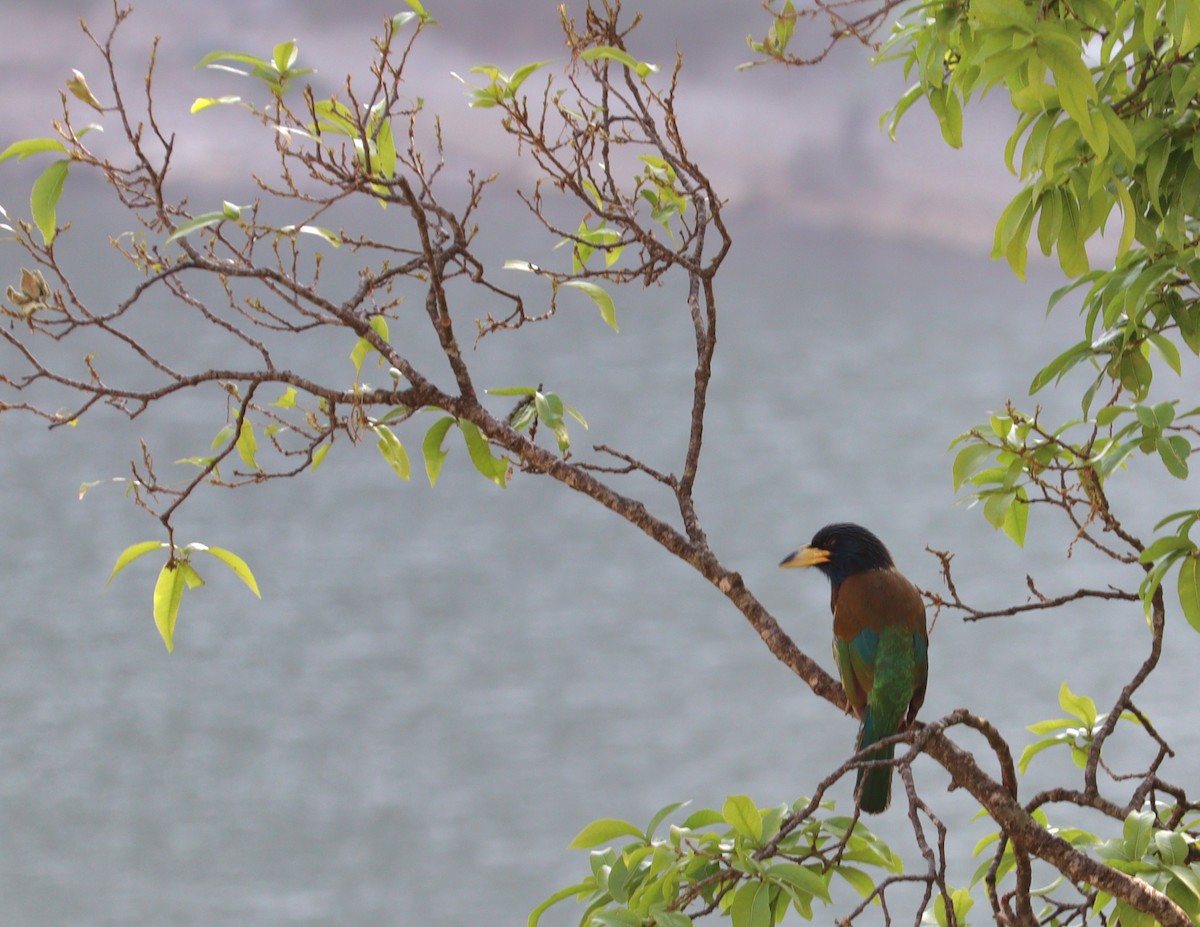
[[440, 688]]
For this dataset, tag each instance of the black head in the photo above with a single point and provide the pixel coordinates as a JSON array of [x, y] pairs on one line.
[[841, 550]]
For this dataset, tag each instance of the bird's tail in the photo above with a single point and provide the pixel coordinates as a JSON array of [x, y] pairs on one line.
[[874, 785]]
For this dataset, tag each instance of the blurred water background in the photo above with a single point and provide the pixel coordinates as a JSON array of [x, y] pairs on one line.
[[440, 688]]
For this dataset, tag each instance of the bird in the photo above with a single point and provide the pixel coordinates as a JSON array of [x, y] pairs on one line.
[[880, 642]]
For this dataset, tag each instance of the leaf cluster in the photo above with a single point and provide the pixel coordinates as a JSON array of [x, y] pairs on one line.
[[751, 864]]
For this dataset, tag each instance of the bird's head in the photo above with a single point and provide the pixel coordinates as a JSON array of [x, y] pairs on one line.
[[839, 551]]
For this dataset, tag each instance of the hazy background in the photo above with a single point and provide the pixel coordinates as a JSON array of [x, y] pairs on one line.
[[440, 689]]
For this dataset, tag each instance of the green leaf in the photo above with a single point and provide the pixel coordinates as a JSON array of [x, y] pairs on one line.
[[608, 311], [743, 815], [1016, 518], [1136, 373], [191, 578], [222, 436], [284, 55], [1078, 706], [494, 468], [1033, 750], [1166, 347], [235, 563], [379, 326], [641, 68], [319, 455], [431, 448], [247, 445], [1057, 368], [801, 878], [1002, 13], [960, 901], [948, 108], [168, 594], [859, 880], [316, 230], [1160, 547], [703, 817], [1171, 847], [393, 451], [616, 918], [43, 198], [661, 815], [1189, 589], [570, 891], [31, 146], [604, 831], [384, 161], [968, 460], [202, 103], [1178, 849], [364, 347], [751, 905], [1137, 833], [520, 75], [336, 117], [671, 918], [422, 15], [578, 416], [240, 57], [996, 506], [550, 413], [904, 104], [1063, 55], [1173, 452], [1012, 231], [359, 353], [1054, 724], [194, 225], [287, 400], [131, 553]]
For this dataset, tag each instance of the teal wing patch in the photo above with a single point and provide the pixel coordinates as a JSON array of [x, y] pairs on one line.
[[855, 660]]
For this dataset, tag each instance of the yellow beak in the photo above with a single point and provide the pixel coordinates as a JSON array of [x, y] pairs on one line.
[[805, 557]]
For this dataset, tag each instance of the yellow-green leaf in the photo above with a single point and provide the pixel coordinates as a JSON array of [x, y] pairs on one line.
[[190, 577], [1080, 706], [605, 830], [751, 905], [131, 553], [168, 593], [247, 445], [364, 347], [1016, 519], [202, 103], [743, 815], [31, 146], [43, 198], [600, 297], [393, 451], [801, 878], [193, 225], [1189, 589], [641, 68], [431, 448], [493, 467], [237, 564]]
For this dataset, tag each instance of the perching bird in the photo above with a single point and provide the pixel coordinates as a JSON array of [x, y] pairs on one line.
[[880, 642]]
